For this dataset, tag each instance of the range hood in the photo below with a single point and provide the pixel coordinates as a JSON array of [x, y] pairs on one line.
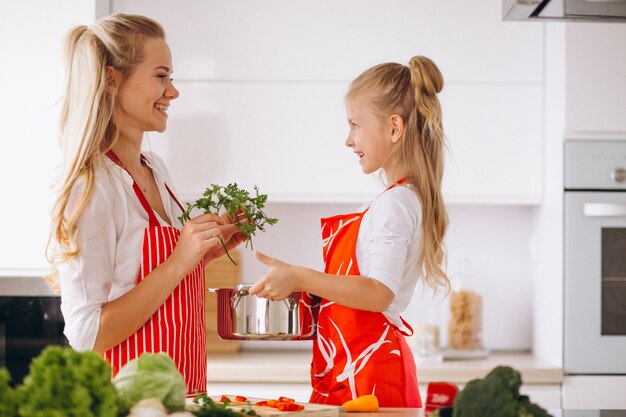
[[564, 10]]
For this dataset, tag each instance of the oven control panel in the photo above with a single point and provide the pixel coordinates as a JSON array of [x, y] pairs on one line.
[[595, 164]]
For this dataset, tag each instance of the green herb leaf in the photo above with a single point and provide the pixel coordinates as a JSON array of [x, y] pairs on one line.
[[233, 200]]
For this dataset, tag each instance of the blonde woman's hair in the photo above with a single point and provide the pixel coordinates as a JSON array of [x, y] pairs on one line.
[[411, 92], [87, 128]]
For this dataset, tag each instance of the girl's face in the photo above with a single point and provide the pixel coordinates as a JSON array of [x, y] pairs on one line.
[[367, 136], [145, 96]]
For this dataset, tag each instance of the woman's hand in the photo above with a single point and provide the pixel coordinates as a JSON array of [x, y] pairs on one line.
[[199, 236], [279, 281], [232, 237]]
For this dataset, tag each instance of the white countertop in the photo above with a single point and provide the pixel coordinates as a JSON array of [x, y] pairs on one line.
[[292, 366]]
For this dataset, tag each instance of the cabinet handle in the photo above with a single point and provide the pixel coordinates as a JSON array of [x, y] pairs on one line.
[[604, 210]]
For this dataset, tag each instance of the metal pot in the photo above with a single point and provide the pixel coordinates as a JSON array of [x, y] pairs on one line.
[[244, 316]]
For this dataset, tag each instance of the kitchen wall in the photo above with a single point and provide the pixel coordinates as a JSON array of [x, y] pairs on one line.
[[31, 34]]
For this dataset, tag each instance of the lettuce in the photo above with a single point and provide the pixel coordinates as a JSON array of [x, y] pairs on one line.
[[8, 404], [64, 383], [151, 375]]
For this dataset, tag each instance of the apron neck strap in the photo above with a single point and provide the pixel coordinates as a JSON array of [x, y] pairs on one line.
[[153, 221], [399, 182]]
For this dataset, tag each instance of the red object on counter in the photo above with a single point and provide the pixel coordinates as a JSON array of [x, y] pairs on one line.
[[439, 395]]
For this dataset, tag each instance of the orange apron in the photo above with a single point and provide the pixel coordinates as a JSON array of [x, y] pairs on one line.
[[177, 327], [357, 352]]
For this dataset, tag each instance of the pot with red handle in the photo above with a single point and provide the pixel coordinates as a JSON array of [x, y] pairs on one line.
[[244, 316]]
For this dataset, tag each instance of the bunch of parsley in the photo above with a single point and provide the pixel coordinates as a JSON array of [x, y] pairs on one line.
[[237, 203]]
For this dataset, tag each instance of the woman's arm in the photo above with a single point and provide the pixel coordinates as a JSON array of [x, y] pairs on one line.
[[353, 291], [120, 318]]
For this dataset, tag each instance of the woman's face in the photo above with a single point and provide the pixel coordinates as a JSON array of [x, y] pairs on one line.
[[367, 136], [145, 96]]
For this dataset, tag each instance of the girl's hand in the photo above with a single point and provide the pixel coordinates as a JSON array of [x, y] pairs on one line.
[[279, 281], [199, 236]]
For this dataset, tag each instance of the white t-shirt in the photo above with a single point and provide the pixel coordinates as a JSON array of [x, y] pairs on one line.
[[388, 245], [110, 238]]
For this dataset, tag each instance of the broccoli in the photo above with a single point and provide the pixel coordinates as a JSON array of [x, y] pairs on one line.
[[65, 383], [496, 395]]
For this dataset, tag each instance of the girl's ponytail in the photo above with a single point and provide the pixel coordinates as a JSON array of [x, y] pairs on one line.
[[425, 166]]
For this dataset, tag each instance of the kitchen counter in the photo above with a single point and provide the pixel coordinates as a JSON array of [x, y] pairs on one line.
[[292, 366]]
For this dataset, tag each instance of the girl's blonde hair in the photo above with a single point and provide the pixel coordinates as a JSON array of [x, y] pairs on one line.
[[87, 127], [411, 92]]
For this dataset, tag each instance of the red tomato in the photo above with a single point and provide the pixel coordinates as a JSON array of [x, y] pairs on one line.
[[224, 399], [261, 403], [241, 399]]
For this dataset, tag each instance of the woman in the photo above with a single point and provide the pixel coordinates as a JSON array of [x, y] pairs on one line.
[[130, 280]]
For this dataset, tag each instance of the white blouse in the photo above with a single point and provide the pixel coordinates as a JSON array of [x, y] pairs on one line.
[[388, 245], [110, 238]]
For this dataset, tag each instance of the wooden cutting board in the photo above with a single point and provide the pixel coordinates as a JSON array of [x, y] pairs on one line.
[[310, 410]]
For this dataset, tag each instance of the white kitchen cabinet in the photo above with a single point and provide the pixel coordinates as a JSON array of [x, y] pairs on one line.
[[262, 97], [594, 392], [328, 40], [594, 76]]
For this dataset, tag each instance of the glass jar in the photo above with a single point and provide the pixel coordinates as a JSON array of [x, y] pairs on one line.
[[465, 325]]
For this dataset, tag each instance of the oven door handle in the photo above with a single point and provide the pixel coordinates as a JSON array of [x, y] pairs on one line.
[[604, 210]]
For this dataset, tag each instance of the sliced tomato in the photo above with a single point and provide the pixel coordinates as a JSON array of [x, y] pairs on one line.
[[262, 403], [241, 399], [224, 398], [288, 406], [286, 400]]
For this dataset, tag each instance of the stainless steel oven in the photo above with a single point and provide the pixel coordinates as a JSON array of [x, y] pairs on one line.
[[30, 320], [595, 257]]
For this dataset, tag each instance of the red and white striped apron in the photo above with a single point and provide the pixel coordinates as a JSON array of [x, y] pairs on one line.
[[357, 352], [178, 326]]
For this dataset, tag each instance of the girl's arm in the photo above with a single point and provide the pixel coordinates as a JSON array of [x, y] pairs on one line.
[[353, 291]]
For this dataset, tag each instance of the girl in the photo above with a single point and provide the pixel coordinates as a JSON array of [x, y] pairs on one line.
[[374, 257], [130, 280]]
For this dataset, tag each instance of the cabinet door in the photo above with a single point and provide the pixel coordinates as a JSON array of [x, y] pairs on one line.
[[594, 392], [595, 82], [329, 40]]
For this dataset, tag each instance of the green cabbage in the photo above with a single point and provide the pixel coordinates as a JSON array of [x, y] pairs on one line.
[[151, 375]]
